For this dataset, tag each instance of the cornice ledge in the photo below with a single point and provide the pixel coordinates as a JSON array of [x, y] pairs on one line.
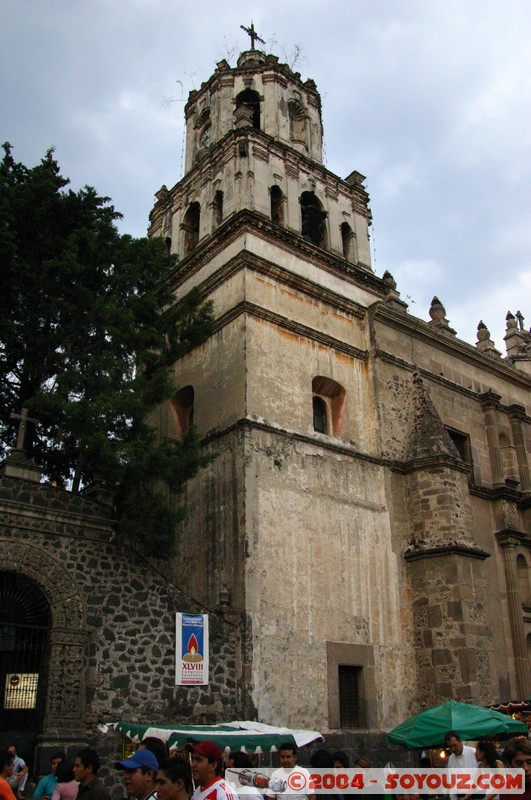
[[302, 284], [463, 350], [521, 499], [427, 462], [420, 549], [509, 537], [253, 422], [255, 222], [389, 358], [300, 330]]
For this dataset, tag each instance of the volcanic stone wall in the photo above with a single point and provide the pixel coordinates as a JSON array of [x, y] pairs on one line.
[[112, 637]]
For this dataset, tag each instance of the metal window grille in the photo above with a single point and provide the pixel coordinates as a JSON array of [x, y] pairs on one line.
[[350, 696]]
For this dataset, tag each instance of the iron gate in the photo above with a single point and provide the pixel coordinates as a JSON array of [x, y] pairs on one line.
[[25, 623]]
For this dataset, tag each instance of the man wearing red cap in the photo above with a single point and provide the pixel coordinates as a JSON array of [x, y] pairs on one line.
[[207, 762]]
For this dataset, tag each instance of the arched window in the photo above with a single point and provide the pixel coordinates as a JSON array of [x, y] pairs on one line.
[[320, 415], [313, 225], [167, 242], [277, 205], [328, 405], [183, 405], [523, 578], [297, 122], [217, 208], [190, 226], [250, 101], [346, 240]]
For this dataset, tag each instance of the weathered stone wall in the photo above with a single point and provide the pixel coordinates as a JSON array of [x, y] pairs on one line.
[[454, 643], [320, 569], [113, 618]]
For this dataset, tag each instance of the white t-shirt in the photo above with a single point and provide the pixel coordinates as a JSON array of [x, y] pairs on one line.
[[217, 790], [282, 774], [467, 760]]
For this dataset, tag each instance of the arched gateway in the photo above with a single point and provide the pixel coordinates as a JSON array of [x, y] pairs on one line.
[[42, 644]]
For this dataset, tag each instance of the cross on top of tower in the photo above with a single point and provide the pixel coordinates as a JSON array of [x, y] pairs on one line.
[[23, 422], [253, 34]]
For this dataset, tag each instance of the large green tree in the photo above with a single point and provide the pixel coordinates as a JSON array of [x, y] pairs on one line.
[[88, 330]]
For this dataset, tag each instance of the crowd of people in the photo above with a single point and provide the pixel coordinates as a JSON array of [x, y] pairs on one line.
[[199, 772]]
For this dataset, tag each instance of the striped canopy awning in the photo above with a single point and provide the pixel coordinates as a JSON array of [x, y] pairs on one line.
[[248, 736]]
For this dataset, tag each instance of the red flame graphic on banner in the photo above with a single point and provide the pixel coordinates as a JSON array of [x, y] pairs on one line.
[[192, 644]]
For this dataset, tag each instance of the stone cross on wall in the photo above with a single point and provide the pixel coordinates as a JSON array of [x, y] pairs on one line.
[[23, 422], [253, 34]]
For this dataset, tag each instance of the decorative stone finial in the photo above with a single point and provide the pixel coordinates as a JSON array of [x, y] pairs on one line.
[[392, 298], [438, 318], [518, 342], [224, 597], [485, 343], [510, 320], [388, 279]]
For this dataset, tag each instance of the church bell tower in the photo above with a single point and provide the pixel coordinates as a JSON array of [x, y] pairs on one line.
[[281, 393], [254, 144]]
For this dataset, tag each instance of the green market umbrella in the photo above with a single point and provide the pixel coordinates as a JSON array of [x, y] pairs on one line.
[[428, 728], [231, 735]]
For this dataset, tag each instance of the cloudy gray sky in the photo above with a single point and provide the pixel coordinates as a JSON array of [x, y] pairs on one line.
[[430, 99]]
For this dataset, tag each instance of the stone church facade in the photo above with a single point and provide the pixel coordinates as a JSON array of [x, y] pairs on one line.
[[367, 515], [362, 538]]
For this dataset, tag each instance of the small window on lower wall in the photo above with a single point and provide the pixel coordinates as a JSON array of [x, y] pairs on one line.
[[461, 442], [350, 714], [328, 406], [351, 686]]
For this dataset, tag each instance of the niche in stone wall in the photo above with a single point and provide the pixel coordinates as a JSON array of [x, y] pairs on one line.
[[277, 205], [510, 469], [217, 209], [347, 242], [522, 569], [190, 227], [298, 122], [183, 407], [203, 131]]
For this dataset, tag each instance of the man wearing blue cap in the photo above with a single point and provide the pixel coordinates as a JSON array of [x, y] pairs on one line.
[[140, 772]]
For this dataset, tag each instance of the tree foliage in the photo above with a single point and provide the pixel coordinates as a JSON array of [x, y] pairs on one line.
[[88, 330]]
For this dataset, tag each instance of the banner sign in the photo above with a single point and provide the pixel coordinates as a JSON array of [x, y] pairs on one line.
[[191, 649]]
